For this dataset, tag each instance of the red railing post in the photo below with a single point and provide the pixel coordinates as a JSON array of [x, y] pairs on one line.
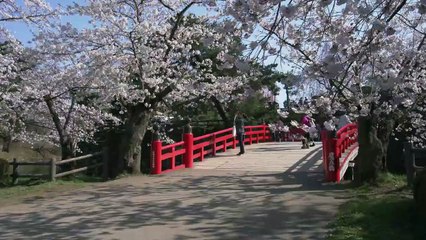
[[188, 139], [156, 152], [213, 144], [173, 161], [250, 136], [264, 133], [337, 154], [331, 159], [330, 152], [257, 137], [202, 153], [188, 145]]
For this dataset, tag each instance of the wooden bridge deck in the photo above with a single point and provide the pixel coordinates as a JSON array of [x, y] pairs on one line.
[[274, 191], [268, 157]]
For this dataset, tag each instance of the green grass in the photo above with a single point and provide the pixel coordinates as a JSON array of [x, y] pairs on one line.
[[39, 188], [385, 211]]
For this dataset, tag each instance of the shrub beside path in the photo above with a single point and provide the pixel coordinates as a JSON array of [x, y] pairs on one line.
[[274, 191]]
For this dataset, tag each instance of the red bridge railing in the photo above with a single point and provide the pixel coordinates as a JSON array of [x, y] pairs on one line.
[[166, 158], [338, 151]]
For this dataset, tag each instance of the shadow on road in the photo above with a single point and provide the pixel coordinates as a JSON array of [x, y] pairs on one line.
[[200, 204]]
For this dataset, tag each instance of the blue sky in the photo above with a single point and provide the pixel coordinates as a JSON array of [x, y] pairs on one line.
[[22, 32]]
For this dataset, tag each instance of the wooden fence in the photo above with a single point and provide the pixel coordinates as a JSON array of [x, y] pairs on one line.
[[92, 161]]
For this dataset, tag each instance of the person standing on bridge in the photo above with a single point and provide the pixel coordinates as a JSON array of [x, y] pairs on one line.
[[239, 120]]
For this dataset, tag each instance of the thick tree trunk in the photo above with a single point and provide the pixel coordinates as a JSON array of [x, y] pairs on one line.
[[7, 140], [395, 154], [131, 148], [384, 132], [420, 194], [221, 111], [67, 148], [369, 159]]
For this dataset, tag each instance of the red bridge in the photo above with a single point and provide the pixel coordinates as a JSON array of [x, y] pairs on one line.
[[339, 149]]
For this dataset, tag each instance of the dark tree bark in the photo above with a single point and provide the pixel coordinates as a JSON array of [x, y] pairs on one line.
[[395, 154], [65, 141], [369, 159], [220, 111], [67, 148], [384, 132], [420, 194], [131, 141], [7, 140]]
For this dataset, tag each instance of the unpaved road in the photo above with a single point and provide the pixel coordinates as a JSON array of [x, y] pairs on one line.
[[275, 191]]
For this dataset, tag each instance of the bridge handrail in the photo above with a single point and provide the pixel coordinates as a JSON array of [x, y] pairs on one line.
[[192, 148], [344, 141]]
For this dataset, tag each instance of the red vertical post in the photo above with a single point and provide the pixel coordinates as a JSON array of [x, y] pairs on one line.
[[173, 158], [156, 156], [264, 133], [188, 140], [331, 159], [224, 145], [250, 136], [214, 144], [202, 153], [257, 137], [337, 155]]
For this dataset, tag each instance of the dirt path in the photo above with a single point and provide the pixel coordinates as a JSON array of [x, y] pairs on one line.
[[212, 201]]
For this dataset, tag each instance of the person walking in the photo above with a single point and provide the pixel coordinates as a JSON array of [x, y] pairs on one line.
[[239, 126], [306, 124]]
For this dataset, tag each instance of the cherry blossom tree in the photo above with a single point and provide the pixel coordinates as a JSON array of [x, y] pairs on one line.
[[348, 47], [13, 63], [139, 55]]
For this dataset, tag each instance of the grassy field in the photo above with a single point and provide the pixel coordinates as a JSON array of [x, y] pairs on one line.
[[385, 211]]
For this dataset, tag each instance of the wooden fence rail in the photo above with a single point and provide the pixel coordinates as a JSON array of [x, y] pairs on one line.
[[15, 173], [99, 157]]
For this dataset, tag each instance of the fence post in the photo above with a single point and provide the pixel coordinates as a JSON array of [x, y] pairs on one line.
[[188, 140], [52, 170], [214, 145], [156, 154], [15, 171]]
